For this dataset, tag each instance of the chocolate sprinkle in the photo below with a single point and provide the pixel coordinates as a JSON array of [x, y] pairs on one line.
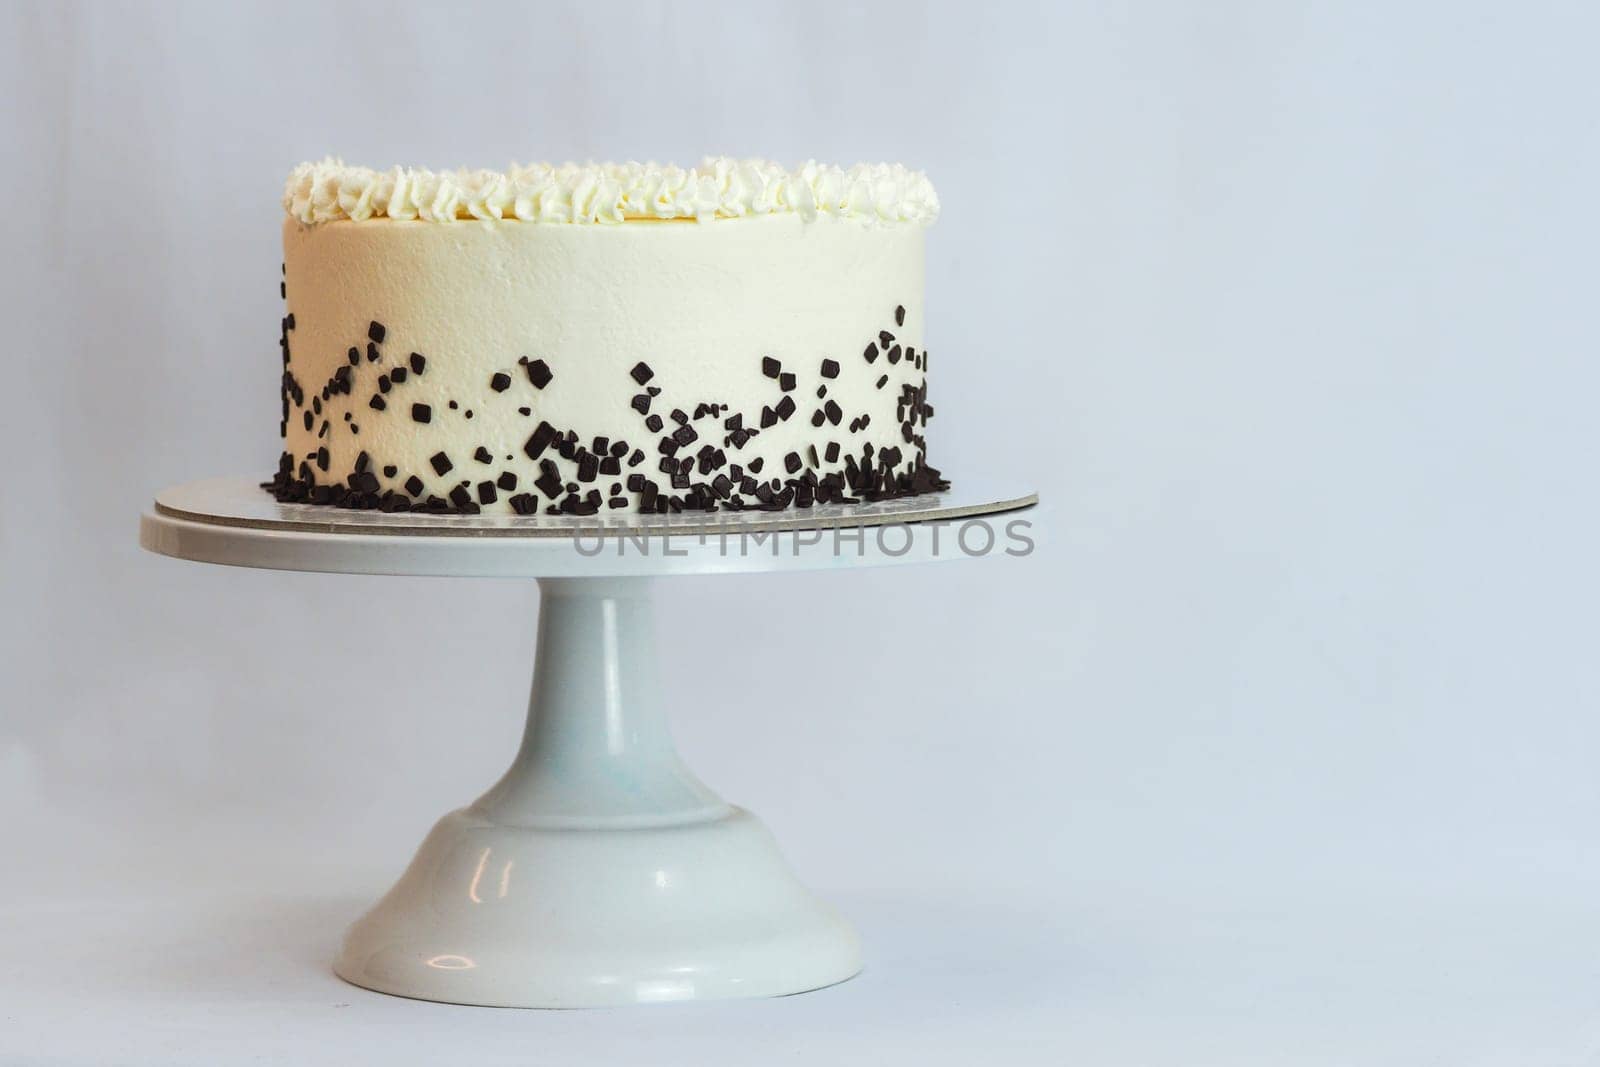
[[786, 381], [483, 455], [830, 368], [378, 403], [539, 441], [548, 482], [418, 362], [899, 316], [770, 367], [441, 463], [641, 372], [539, 373], [414, 485], [653, 423], [421, 413], [500, 382], [376, 332]]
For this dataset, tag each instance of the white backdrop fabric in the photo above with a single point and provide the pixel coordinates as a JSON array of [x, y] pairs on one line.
[[1281, 747]]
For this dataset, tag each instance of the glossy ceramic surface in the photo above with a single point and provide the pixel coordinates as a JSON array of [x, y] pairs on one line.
[[599, 870]]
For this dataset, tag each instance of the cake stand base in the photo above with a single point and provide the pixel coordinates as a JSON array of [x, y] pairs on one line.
[[598, 870], [522, 917]]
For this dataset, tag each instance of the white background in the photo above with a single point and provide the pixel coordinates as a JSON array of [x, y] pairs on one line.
[[1282, 749]]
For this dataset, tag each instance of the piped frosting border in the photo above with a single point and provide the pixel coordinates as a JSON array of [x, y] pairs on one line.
[[611, 193]]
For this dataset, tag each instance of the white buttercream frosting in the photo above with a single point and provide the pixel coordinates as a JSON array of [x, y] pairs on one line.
[[775, 343], [606, 193]]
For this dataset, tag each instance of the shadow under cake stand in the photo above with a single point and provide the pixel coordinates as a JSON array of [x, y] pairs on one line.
[[598, 870]]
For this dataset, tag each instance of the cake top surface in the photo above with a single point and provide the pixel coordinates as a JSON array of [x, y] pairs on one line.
[[612, 193]]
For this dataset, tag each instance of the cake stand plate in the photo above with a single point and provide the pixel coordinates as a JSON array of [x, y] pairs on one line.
[[598, 870]]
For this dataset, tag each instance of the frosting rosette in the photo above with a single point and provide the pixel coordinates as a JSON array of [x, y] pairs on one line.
[[611, 193]]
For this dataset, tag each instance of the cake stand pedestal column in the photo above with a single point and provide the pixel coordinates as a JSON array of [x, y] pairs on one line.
[[598, 870]]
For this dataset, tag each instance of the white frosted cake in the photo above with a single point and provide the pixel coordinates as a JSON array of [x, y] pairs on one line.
[[580, 339]]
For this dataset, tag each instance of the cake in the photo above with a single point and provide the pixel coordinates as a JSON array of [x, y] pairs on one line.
[[587, 339]]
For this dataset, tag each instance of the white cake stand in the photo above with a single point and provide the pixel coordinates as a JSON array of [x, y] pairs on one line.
[[598, 870]]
